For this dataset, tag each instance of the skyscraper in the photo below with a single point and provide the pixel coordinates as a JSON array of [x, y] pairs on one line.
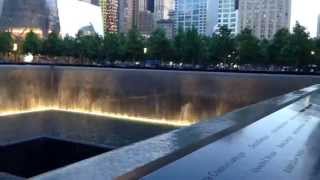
[[264, 17], [21, 16], [110, 15], [150, 5], [201, 14], [162, 8], [228, 14], [142, 17], [125, 15]]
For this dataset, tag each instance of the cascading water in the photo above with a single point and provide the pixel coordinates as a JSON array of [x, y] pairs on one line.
[[177, 98]]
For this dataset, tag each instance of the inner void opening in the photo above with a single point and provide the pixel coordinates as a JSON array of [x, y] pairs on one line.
[[30, 158]]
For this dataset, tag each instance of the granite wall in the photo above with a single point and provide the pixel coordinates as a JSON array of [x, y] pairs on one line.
[[175, 96]]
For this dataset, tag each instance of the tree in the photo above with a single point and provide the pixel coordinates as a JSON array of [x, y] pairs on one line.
[[222, 46], [89, 47], [113, 46], [69, 46], [6, 43], [299, 47], [192, 47], [32, 43], [178, 44], [276, 49], [53, 45], [316, 46], [248, 47], [134, 45], [159, 46], [264, 57]]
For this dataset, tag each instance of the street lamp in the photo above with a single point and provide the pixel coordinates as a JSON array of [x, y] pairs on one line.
[[312, 53], [15, 50], [15, 47], [145, 50]]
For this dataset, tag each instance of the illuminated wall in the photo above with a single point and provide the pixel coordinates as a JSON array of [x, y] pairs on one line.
[[179, 98]]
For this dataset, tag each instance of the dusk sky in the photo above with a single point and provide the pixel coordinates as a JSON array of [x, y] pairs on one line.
[[304, 11]]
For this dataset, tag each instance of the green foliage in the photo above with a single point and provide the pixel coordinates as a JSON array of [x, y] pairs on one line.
[[248, 47], [89, 47], [159, 46], [189, 47], [32, 43], [53, 45], [222, 46], [6, 42], [114, 46], [134, 45], [276, 49], [69, 46], [192, 46], [299, 47], [178, 45]]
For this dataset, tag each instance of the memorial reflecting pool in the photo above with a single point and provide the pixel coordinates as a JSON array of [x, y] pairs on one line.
[[81, 112], [166, 97]]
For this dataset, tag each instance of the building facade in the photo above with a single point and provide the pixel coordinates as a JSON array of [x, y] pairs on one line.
[[20, 17], [142, 17], [167, 25], [200, 14], [145, 25], [125, 15], [264, 17], [228, 15], [162, 9], [110, 15]]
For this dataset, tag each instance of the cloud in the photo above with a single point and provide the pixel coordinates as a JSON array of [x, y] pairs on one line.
[[75, 15], [306, 13]]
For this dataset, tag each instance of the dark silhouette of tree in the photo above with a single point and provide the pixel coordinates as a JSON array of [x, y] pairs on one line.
[[178, 45], [248, 47], [53, 45], [6, 43], [114, 46], [298, 50], [159, 46], [32, 43], [222, 46], [192, 48], [277, 46], [134, 45]]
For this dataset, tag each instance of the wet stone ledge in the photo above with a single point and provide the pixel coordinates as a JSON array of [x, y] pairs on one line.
[[167, 153]]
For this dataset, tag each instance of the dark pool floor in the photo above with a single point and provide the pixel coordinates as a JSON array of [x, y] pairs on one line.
[[35, 143]]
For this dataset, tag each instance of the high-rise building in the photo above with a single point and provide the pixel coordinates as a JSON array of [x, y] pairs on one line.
[[228, 15], [110, 15], [162, 8], [125, 15], [145, 25], [150, 5], [54, 20], [142, 18], [21, 16], [264, 17], [167, 25], [318, 29], [200, 14]]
